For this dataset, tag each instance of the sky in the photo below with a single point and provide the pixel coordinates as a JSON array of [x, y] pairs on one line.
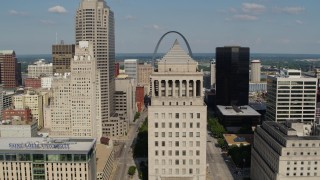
[[266, 26]]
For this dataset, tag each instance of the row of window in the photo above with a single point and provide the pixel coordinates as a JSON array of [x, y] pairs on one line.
[[177, 115], [177, 125], [183, 171], [176, 162], [177, 134], [183, 143], [170, 153]]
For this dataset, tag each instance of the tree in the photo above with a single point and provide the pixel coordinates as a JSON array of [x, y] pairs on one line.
[[132, 170], [216, 128], [221, 143], [136, 116]]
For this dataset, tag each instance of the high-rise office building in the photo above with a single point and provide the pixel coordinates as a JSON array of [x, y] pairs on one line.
[[232, 75], [177, 119], [61, 57], [95, 23], [131, 68], [285, 151], [10, 69], [255, 71], [144, 71], [291, 97], [80, 96], [213, 74]]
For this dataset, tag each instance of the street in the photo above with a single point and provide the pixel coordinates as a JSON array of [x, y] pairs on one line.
[[126, 157], [218, 169]]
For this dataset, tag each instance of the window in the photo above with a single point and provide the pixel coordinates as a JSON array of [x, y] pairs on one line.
[[184, 115], [177, 162], [177, 134], [177, 115], [170, 115], [163, 143], [163, 134], [156, 153], [184, 134], [198, 161], [177, 153], [170, 134], [190, 171], [198, 125], [191, 115], [156, 143], [184, 125], [156, 134], [198, 153], [156, 162], [177, 125], [190, 134], [198, 115], [170, 154], [170, 143], [156, 125], [162, 115], [198, 143], [163, 153], [198, 134], [177, 143], [184, 153], [191, 125], [190, 153], [183, 143], [170, 125], [191, 143], [170, 161]]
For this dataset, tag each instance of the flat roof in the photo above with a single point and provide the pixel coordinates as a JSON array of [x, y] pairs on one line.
[[47, 145], [16, 122], [103, 153], [237, 110], [276, 128], [237, 139]]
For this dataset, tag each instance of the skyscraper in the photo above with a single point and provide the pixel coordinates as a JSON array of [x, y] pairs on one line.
[[10, 69], [232, 73], [177, 119], [131, 68], [61, 57], [95, 23]]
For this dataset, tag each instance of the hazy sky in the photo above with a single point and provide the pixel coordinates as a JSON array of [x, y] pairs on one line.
[[266, 26]]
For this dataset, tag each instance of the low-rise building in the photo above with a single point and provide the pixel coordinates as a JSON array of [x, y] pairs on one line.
[[46, 158], [284, 151], [32, 83], [18, 128], [105, 161], [22, 114], [238, 116], [238, 139]]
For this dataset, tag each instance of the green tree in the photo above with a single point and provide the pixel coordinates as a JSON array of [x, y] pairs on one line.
[[216, 128], [136, 116], [132, 170]]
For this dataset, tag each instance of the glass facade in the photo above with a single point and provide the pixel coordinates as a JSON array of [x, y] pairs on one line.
[[232, 75]]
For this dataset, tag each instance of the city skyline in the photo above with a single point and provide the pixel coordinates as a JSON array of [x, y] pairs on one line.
[[266, 26]]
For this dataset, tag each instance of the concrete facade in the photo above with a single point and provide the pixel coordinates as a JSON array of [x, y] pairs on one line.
[[144, 72], [42, 158], [18, 128], [33, 101], [40, 68], [255, 71], [285, 151], [291, 96], [131, 68], [46, 82], [125, 97], [95, 22], [177, 119]]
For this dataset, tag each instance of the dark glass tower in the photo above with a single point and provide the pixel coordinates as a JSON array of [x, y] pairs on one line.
[[232, 74]]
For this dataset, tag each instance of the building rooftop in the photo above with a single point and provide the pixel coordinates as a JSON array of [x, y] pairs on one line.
[[6, 51], [54, 145], [177, 55], [288, 132], [237, 110], [102, 153], [17, 122], [237, 139]]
